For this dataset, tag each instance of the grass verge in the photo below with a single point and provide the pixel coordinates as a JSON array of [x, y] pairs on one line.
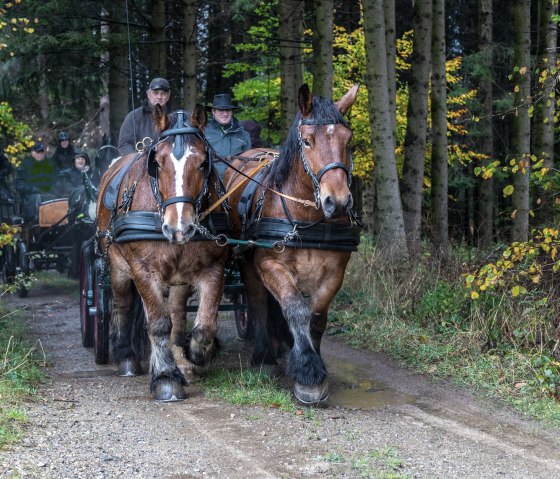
[[21, 370]]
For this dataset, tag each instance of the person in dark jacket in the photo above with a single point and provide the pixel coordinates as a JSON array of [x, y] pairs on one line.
[[137, 127], [71, 178], [64, 154], [224, 132], [254, 130], [34, 179]]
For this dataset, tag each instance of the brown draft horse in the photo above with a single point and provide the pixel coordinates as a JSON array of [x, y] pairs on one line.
[[314, 165], [169, 184]]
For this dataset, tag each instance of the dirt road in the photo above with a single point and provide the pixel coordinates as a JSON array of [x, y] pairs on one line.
[[383, 422]]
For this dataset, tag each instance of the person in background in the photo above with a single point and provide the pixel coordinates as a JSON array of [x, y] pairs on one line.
[[224, 132], [254, 130], [64, 153], [138, 127], [71, 178], [34, 179]]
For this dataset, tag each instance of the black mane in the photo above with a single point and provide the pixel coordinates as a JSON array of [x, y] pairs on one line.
[[323, 111]]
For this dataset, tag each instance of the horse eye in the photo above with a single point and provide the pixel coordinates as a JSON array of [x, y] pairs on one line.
[[306, 143]]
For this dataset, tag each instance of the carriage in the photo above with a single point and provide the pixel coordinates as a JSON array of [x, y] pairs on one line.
[[52, 241], [152, 248]]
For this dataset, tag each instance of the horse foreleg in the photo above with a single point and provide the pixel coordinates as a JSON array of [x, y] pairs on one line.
[[305, 365], [167, 381], [176, 305], [204, 344]]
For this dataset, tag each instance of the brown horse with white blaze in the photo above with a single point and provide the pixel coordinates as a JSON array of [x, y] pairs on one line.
[[314, 168], [155, 194]]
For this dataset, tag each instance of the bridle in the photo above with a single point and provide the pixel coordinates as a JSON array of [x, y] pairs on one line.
[[316, 177], [178, 132]]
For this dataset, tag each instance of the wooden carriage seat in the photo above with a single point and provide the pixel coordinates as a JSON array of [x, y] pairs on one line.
[[51, 212]]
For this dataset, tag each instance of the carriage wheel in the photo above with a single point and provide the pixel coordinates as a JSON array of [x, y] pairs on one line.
[[101, 319], [8, 264], [86, 295], [242, 322], [23, 264]]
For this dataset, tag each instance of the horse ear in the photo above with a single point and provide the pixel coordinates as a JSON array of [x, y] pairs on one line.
[[347, 100], [198, 117], [161, 120], [305, 99]]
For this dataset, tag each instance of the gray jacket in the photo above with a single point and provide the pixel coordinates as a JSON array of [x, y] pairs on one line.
[[227, 141], [136, 126]]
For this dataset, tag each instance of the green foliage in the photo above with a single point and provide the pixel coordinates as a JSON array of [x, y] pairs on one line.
[[21, 371], [547, 373], [16, 137]]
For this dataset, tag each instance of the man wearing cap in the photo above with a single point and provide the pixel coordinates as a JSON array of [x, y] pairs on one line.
[[137, 127], [64, 153], [71, 178], [224, 132], [34, 179]]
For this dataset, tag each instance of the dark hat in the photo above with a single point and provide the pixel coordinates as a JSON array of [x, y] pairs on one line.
[[79, 153], [37, 146], [159, 84], [222, 102], [63, 136]]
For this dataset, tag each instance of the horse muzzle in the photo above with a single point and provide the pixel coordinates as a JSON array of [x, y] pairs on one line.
[[179, 234], [336, 207]]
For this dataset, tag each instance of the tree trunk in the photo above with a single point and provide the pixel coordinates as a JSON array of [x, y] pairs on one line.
[[104, 104], [189, 55], [323, 48], [119, 73], [521, 123], [545, 104], [485, 203], [157, 37], [439, 132], [291, 64], [42, 94], [391, 239], [391, 51], [417, 124]]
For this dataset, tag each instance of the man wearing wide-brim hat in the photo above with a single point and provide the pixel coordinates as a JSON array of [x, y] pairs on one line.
[[224, 132]]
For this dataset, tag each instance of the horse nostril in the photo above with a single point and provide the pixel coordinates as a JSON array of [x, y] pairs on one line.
[[166, 230], [189, 231], [328, 204]]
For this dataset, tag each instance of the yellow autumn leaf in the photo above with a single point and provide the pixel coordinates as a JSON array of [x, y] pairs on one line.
[[474, 295], [508, 190]]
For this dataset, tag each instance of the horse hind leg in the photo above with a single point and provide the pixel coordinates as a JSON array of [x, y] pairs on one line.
[[204, 344], [127, 319], [176, 304]]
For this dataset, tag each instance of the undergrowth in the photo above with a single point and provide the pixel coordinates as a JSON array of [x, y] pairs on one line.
[[21, 370], [502, 346]]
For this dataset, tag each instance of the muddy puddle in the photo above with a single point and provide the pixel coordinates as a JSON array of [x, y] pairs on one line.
[[353, 388]]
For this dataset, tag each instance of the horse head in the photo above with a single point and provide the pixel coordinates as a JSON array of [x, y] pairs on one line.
[[324, 139], [179, 166]]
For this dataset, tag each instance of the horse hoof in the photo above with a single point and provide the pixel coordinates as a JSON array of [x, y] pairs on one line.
[[169, 392], [312, 395], [130, 367]]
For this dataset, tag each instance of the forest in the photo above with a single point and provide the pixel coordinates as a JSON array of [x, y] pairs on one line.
[[454, 136]]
